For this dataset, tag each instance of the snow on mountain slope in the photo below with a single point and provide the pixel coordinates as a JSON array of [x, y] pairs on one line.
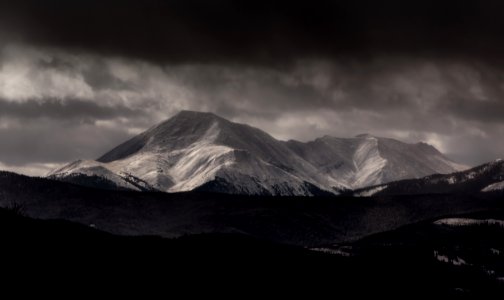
[[498, 186], [368, 163], [413, 160], [90, 168], [194, 150], [371, 191], [367, 160]]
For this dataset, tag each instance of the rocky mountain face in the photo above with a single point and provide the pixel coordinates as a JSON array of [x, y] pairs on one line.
[[202, 151]]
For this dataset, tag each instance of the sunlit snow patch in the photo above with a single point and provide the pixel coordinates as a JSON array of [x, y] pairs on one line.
[[372, 191], [498, 186], [457, 261]]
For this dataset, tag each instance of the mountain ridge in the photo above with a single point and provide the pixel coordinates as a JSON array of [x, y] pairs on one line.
[[485, 178], [195, 149]]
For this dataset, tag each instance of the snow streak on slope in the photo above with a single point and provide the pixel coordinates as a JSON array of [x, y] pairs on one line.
[[371, 191], [368, 163], [201, 150], [498, 186], [199, 162]]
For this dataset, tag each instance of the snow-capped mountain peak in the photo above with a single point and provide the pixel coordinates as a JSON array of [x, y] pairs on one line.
[[194, 150]]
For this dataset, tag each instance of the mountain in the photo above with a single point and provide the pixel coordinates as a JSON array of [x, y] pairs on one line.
[[202, 151], [368, 160], [486, 178]]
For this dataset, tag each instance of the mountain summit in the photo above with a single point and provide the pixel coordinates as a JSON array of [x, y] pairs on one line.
[[202, 151]]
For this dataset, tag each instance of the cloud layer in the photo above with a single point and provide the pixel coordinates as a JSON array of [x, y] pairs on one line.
[[79, 77], [58, 105]]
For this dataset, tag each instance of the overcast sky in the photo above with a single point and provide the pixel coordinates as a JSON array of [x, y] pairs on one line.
[[79, 77]]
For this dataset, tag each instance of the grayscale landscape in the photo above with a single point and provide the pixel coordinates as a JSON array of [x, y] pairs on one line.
[[252, 148]]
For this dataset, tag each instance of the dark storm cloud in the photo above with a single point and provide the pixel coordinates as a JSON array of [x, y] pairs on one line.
[[79, 77], [260, 31]]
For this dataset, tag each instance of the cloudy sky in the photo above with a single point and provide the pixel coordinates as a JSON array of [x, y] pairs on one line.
[[79, 77]]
